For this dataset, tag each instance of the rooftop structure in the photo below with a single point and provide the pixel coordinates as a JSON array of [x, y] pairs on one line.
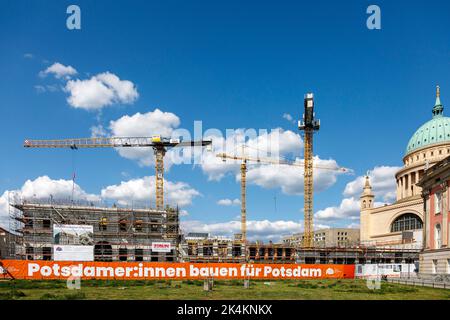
[[332, 237]]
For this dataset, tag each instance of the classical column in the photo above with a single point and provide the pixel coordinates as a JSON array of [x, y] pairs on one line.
[[410, 185], [403, 186]]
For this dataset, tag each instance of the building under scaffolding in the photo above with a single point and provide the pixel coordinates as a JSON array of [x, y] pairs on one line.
[[201, 247], [119, 234], [220, 250]]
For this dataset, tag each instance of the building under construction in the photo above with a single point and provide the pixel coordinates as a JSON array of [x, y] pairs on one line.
[[204, 248], [119, 233]]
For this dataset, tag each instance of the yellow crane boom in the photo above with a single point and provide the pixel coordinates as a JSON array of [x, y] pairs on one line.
[[158, 143]]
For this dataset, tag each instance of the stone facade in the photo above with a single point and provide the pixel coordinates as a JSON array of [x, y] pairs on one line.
[[435, 258], [384, 226], [333, 237]]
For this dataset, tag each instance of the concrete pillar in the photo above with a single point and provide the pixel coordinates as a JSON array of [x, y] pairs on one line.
[[215, 249], [200, 249]]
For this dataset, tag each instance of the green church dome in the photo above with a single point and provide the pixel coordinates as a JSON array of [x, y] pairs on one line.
[[435, 131]]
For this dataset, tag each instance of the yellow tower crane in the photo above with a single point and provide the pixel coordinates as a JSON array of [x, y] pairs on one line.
[[244, 159], [158, 143]]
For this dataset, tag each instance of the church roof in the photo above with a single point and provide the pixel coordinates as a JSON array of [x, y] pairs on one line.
[[435, 131]]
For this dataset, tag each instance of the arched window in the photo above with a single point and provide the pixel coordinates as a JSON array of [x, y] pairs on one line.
[[407, 221], [437, 236]]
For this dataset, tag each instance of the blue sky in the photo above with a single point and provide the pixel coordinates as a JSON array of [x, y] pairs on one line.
[[230, 64]]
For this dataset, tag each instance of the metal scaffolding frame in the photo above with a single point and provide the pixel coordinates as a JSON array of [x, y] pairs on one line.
[[120, 233]]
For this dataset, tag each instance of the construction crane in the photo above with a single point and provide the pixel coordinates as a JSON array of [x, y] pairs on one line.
[[244, 159], [309, 125], [159, 144]]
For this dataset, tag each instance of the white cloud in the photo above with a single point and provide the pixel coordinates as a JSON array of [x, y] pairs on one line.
[[229, 202], [256, 229], [143, 190], [288, 117], [264, 230], [147, 124], [98, 131], [290, 178], [353, 225], [139, 190], [101, 90], [348, 209], [46, 88], [59, 71], [274, 144], [43, 188], [184, 213], [382, 179], [28, 56]]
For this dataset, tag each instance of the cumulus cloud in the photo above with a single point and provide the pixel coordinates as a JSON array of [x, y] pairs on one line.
[[278, 144], [289, 118], [136, 190], [229, 202], [382, 179], [353, 225], [98, 131], [290, 178], [256, 229], [143, 189], [274, 144], [264, 230], [46, 88], [101, 90], [348, 209], [147, 124], [59, 71], [43, 188]]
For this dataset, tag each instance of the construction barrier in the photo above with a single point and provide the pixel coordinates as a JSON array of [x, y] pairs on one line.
[[46, 270]]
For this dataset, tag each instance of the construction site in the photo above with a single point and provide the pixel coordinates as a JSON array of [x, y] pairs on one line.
[[131, 233]]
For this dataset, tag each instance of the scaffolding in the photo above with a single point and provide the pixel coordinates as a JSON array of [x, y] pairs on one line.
[[232, 251], [119, 233]]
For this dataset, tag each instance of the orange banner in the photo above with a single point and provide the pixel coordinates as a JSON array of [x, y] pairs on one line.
[[42, 270]]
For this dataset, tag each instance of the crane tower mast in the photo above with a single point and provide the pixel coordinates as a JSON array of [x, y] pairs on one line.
[[309, 125]]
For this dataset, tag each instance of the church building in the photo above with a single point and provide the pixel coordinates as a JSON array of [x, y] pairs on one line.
[[400, 224]]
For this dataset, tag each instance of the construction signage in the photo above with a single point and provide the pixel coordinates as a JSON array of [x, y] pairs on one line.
[[73, 242], [43, 270]]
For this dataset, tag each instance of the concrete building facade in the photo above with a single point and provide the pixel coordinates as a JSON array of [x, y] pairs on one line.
[[332, 237]]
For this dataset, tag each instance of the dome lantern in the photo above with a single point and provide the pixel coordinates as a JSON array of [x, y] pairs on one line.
[[435, 131]]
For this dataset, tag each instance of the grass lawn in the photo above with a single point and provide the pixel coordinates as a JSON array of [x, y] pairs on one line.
[[233, 289]]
